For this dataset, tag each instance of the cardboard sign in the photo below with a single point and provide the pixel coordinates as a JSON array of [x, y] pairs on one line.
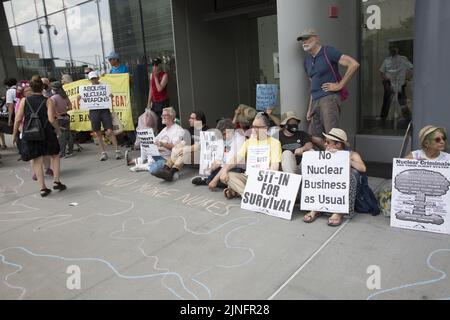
[[95, 97], [148, 147], [266, 96], [271, 192], [420, 195], [326, 181], [211, 150]]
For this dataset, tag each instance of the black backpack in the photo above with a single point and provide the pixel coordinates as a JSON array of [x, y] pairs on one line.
[[365, 201], [34, 130]]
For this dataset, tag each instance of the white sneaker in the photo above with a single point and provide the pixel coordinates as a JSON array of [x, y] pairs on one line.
[[104, 156]]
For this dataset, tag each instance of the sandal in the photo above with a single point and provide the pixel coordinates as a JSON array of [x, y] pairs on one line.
[[59, 186], [335, 224], [45, 192], [230, 193], [311, 216]]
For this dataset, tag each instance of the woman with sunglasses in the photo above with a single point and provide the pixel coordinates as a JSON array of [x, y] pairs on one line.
[[259, 140], [433, 141]]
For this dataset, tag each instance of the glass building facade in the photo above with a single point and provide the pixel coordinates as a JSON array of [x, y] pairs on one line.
[[55, 37]]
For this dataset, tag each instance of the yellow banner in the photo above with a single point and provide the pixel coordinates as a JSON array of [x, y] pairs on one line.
[[120, 88]]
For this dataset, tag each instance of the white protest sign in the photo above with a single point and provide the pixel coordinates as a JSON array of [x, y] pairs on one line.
[[266, 96], [271, 192], [420, 195], [95, 97], [148, 147], [211, 150], [258, 158], [326, 181]]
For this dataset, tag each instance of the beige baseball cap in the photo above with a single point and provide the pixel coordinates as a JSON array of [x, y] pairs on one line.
[[308, 33]]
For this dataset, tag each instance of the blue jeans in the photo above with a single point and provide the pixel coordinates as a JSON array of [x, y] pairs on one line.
[[157, 165]]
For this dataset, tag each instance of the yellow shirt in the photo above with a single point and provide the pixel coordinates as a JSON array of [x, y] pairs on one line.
[[274, 149]]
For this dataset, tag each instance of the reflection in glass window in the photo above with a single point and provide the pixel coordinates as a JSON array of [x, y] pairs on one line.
[[387, 70]]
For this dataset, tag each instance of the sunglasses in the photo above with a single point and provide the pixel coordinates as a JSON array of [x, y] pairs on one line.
[[439, 139]]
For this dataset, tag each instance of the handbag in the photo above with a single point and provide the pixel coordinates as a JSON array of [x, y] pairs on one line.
[[117, 124], [344, 93]]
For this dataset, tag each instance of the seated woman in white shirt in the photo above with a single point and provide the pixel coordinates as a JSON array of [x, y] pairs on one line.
[[433, 141]]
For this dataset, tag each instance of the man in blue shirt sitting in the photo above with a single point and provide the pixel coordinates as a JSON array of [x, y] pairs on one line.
[[322, 67], [117, 67]]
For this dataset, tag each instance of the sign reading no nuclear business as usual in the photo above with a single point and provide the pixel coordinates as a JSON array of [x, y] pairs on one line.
[[421, 195], [95, 97], [326, 181], [271, 192]]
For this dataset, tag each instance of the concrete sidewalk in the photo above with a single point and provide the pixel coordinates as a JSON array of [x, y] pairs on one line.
[[135, 237]]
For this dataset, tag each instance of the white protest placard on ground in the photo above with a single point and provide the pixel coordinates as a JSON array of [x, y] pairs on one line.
[[211, 150], [148, 147], [420, 195], [95, 97], [266, 96], [326, 181], [271, 192]]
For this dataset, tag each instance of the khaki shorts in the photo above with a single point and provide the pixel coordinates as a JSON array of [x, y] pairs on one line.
[[325, 115]]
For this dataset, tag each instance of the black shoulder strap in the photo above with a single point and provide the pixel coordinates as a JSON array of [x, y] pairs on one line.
[[39, 108]]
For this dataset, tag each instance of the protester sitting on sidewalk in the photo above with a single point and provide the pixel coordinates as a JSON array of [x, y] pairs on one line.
[[336, 140], [433, 141], [182, 153], [243, 117], [236, 181], [147, 120], [36, 150], [294, 143], [103, 117], [232, 143], [166, 140], [62, 106]]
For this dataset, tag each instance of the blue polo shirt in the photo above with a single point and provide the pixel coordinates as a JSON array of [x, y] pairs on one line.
[[319, 71], [120, 69]]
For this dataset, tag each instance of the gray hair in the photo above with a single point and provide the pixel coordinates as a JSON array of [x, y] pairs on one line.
[[66, 78], [224, 125], [263, 117], [171, 111]]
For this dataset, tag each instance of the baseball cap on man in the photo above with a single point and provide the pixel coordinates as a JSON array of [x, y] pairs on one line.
[[113, 55], [308, 33], [288, 116], [92, 75]]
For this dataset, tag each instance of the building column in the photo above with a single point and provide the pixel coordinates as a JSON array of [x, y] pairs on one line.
[[431, 66], [343, 33]]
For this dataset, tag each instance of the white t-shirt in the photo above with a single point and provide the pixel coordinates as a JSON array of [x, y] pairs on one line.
[[11, 95], [420, 155], [395, 69], [174, 135]]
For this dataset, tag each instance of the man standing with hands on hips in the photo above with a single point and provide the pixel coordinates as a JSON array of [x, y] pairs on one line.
[[322, 67], [158, 97]]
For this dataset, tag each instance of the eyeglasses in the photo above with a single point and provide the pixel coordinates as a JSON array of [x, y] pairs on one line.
[[439, 139]]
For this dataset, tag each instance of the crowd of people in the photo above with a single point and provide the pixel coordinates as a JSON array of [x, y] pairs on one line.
[[283, 141]]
